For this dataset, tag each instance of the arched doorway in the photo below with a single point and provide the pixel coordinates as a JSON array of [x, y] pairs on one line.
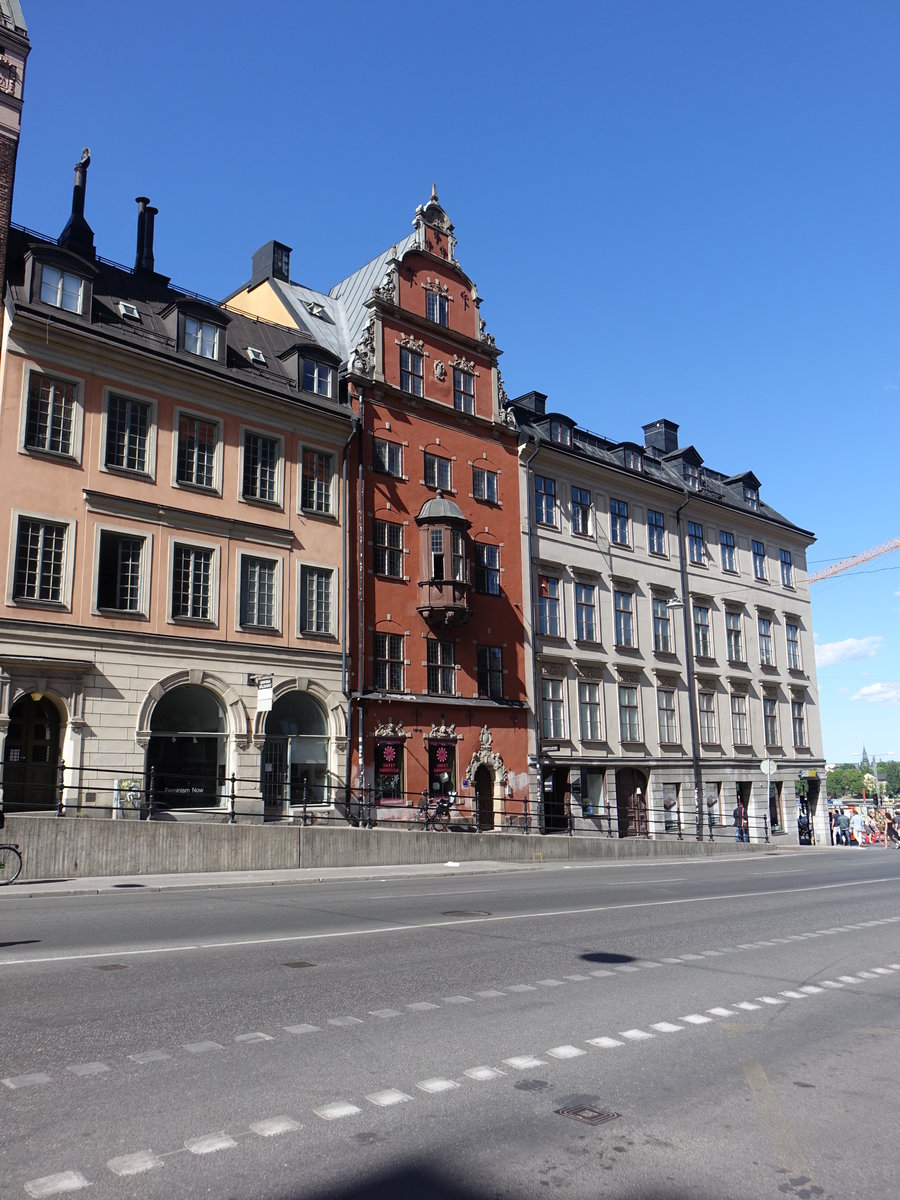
[[295, 758], [484, 797], [631, 802], [187, 748], [31, 755]]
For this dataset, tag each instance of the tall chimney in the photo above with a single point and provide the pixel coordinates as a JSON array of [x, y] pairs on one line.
[[143, 259], [147, 261], [78, 235], [141, 202]]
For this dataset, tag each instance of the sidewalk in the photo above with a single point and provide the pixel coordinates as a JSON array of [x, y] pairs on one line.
[[106, 884]]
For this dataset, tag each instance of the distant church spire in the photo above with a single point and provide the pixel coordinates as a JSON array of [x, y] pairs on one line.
[[865, 759]]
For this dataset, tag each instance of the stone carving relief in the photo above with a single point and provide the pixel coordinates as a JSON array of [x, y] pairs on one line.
[[9, 77], [440, 371], [391, 729], [444, 731], [462, 364], [387, 289], [411, 343], [486, 757], [364, 354]]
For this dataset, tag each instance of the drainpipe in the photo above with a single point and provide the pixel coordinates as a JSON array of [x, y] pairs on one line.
[[535, 678], [354, 425], [689, 663], [361, 626]]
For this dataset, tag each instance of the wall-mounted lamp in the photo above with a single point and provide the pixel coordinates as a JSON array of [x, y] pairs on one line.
[[37, 696]]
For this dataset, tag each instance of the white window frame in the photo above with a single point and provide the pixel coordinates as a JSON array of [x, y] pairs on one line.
[[701, 650], [388, 661], [248, 626], [553, 606], [696, 544], [64, 603], [146, 568], [215, 488], [760, 569], [625, 618], [319, 569], [317, 512], [734, 636], [662, 624], [590, 710], [388, 550], [463, 391], [740, 720], [770, 717], [799, 736], [437, 307], [59, 287], [73, 454], [553, 707], [545, 511], [586, 631], [728, 551], [786, 560], [392, 450], [149, 471], [412, 372], [625, 735], [195, 332], [667, 717], [619, 522], [794, 655], [656, 533], [482, 485], [192, 543], [439, 669], [707, 717], [320, 375], [266, 435], [434, 465], [582, 525]]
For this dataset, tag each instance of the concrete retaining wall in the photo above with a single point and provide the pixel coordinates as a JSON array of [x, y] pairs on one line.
[[69, 848]]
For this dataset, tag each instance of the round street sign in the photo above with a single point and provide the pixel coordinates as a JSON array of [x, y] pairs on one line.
[[768, 766]]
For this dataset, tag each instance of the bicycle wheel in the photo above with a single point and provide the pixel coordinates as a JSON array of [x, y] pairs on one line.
[[441, 820], [10, 864]]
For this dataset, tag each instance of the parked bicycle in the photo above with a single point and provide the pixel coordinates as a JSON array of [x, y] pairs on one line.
[[435, 815], [10, 863]]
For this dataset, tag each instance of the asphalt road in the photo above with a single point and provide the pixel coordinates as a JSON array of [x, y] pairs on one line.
[[709, 1028]]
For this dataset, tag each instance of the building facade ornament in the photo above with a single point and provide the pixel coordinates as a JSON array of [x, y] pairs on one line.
[[486, 757], [463, 364], [435, 285], [9, 77], [391, 729], [364, 354], [410, 343], [444, 732], [387, 289], [440, 371]]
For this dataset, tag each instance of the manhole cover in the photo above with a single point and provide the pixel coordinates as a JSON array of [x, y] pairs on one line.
[[299, 964], [466, 912], [588, 1114], [112, 967]]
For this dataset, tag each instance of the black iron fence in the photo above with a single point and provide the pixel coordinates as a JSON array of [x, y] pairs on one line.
[[157, 795]]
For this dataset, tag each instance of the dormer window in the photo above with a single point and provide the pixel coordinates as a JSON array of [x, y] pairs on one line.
[[256, 356], [315, 310], [634, 460], [61, 288], [751, 497], [316, 377], [560, 433], [129, 311], [281, 261], [691, 476], [201, 337]]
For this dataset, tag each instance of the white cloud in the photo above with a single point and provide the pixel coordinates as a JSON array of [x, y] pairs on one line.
[[829, 653], [880, 693]]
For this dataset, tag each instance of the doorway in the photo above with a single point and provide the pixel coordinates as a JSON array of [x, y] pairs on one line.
[[187, 749], [555, 817], [295, 759], [631, 802], [31, 756], [484, 798]]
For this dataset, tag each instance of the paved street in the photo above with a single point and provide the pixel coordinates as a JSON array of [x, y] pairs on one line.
[[711, 1028]]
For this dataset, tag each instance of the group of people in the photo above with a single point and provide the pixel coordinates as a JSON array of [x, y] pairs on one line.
[[859, 829]]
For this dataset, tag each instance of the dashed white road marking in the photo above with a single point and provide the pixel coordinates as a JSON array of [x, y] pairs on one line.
[[710, 954], [521, 987], [336, 1111], [691, 957], [830, 983], [273, 1126], [882, 970], [301, 1028], [86, 1069], [249, 1038], [458, 1000], [490, 994], [384, 1013], [149, 1056], [672, 962], [134, 1164], [605, 1043], [721, 1012], [848, 979], [601, 973], [696, 1019], [571, 978], [20, 1081], [647, 963], [54, 1185], [483, 1073], [435, 1086], [635, 1035], [810, 989], [769, 1000], [550, 983], [524, 1062], [210, 1143], [421, 1006], [627, 968], [201, 1047], [566, 1052], [747, 1006], [388, 1097], [345, 1021], [666, 1027], [791, 995], [866, 975]]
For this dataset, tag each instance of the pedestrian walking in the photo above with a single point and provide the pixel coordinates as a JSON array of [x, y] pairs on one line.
[[858, 827], [741, 832], [843, 827]]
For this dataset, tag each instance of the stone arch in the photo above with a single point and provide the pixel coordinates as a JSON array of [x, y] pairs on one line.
[[331, 703], [238, 719]]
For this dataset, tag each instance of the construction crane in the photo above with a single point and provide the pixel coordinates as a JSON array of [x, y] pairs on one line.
[[846, 563]]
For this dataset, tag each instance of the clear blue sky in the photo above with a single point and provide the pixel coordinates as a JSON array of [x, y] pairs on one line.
[[685, 209]]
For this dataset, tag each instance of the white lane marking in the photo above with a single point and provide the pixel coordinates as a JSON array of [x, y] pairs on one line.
[[490, 994], [384, 1013], [746, 945], [666, 1027], [20, 1081], [550, 983], [721, 1012], [422, 1006], [894, 966], [866, 975], [210, 1143], [566, 1052], [769, 1000], [344, 1021], [434, 1086], [483, 1073], [549, 914], [301, 1029], [605, 1043], [336, 1111], [710, 954], [696, 1019], [673, 962], [524, 1062], [577, 978], [600, 973], [793, 995], [53, 1185], [250, 1038], [521, 987], [747, 1006], [646, 882], [848, 979], [458, 1000], [134, 1164], [273, 1126], [86, 1069], [150, 1056], [765, 943], [779, 941], [811, 990], [388, 1097], [882, 970], [647, 963], [635, 1035], [626, 967], [829, 983], [691, 957], [201, 1047]]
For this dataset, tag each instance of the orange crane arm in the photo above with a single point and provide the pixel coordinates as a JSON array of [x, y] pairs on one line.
[[846, 563]]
